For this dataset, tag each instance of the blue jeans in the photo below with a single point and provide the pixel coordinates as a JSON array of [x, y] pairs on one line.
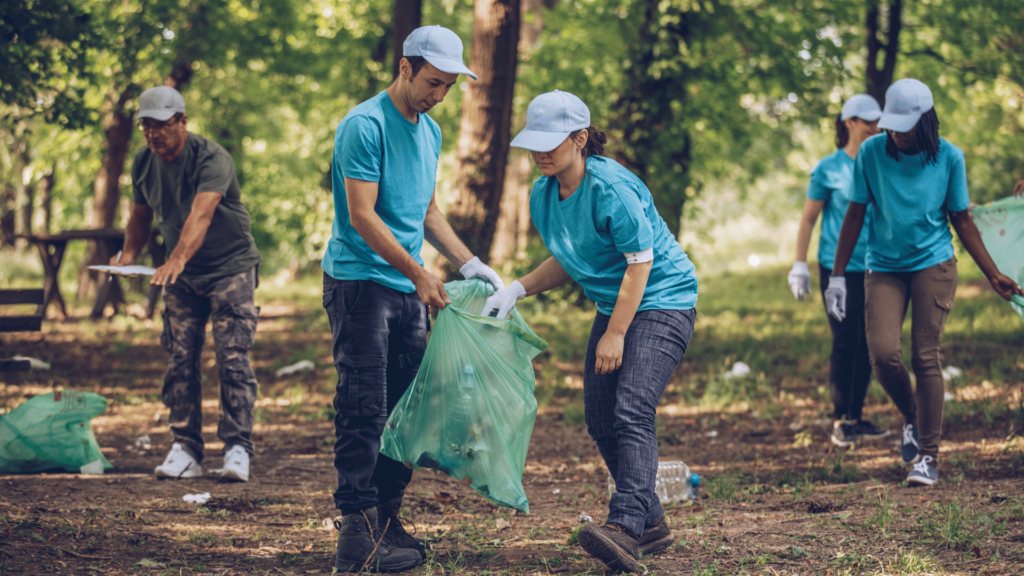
[[849, 370], [620, 408], [379, 335]]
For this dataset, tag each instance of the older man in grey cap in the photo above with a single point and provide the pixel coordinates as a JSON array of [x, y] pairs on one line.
[[188, 182]]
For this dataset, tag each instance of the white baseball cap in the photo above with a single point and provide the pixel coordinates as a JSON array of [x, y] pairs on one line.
[[905, 101], [861, 106], [550, 119], [160, 103], [439, 46]]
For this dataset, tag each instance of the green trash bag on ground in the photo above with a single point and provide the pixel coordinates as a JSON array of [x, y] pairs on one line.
[[52, 431], [470, 410], [1001, 224]]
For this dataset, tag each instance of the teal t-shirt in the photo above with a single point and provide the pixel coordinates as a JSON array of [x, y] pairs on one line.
[[375, 143], [830, 183], [911, 204], [610, 214]]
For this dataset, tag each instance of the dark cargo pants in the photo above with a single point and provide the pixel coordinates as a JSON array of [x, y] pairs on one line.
[[188, 304], [379, 335]]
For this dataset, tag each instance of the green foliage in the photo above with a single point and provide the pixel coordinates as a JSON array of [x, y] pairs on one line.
[[950, 526]]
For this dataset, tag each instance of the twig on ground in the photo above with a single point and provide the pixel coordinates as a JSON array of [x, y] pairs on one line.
[[85, 556]]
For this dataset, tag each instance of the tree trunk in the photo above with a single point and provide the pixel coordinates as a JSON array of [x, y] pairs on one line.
[[879, 78], [486, 123], [24, 191], [408, 16], [46, 199], [512, 232], [7, 198]]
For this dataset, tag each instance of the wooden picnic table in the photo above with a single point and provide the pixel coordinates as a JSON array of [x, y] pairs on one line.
[[51, 251]]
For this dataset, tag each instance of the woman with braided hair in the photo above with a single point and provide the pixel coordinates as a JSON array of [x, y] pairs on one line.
[[916, 185]]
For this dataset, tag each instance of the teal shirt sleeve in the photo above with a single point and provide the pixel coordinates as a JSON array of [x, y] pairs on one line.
[[817, 188], [358, 149], [860, 190], [215, 172], [622, 215], [957, 199]]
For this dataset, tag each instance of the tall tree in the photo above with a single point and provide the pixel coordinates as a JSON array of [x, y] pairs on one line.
[[408, 16], [887, 23], [486, 122], [513, 227]]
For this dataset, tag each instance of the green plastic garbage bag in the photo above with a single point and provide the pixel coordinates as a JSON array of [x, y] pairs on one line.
[[1001, 224], [470, 411], [51, 431]]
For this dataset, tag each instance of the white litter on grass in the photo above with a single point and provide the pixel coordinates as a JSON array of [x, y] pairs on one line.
[[92, 468], [196, 498], [143, 442], [739, 370], [556, 490], [35, 363], [951, 372], [586, 519], [301, 366], [948, 397], [711, 434]]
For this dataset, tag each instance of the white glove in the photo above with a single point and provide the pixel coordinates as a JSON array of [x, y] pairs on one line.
[[477, 269], [501, 302], [835, 297], [800, 280]]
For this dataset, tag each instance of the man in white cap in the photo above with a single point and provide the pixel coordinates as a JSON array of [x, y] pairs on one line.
[[376, 290], [188, 182]]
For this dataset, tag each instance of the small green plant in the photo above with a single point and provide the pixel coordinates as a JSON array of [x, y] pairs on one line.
[[881, 519], [949, 526], [911, 562], [709, 570], [724, 487], [574, 536]]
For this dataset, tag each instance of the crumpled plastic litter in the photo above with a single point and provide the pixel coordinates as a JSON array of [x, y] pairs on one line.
[[196, 498], [739, 370], [301, 366], [143, 442], [1001, 224], [951, 372], [35, 363]]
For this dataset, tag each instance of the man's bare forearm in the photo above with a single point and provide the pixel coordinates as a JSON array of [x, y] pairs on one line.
[[191, 239], [439, 233], [379, 237], [137, 233]]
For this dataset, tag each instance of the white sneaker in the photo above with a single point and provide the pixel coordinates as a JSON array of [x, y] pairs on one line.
[[236, 465], [178, 464]]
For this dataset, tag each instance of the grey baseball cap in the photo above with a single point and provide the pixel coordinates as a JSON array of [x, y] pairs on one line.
[[550, 119], [861, 106], [160, 103], [439, 46], [906, 101]]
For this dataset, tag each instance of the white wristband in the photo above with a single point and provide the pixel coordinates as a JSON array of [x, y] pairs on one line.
[[639, 257]]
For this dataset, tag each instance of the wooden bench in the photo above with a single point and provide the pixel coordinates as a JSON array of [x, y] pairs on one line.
[[23, 323]]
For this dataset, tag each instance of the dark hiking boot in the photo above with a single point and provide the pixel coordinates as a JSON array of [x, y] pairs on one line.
[[613, 544], [361, 547], [394, 532], [656, 538], [866, 429]]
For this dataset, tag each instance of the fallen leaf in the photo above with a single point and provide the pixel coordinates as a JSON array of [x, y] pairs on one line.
[[502, 524], [147, 563]]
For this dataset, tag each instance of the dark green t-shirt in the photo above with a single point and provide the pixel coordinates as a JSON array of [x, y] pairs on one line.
[[169, 188]]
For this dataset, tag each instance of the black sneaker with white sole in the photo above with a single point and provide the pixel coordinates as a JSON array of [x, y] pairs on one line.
[[925, 472], [843, 433], [909, 447], [866, 430]]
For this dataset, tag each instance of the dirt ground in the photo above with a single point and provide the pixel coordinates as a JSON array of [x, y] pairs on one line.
[[778, 497]]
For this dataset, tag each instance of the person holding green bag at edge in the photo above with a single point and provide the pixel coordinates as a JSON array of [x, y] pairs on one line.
[[599, 222], [916, 183]]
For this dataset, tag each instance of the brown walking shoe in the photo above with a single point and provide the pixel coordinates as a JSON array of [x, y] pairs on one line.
[[656, 537], [613, 544]]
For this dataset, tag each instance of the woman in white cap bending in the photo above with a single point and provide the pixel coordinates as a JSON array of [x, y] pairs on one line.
[[599, 222], [829, 194], [916, 185]]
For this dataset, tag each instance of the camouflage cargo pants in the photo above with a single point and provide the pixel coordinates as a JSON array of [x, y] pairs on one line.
[[188, 304]]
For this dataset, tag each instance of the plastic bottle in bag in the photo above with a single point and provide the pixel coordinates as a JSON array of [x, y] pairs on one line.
[[675, 482], [460, 432]]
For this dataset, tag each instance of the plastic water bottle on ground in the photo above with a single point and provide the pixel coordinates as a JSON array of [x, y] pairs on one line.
[[675, 482]]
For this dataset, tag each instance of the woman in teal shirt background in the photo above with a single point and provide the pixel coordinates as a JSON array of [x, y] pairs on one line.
[[916, 185], [599, 222], [828, 194]]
